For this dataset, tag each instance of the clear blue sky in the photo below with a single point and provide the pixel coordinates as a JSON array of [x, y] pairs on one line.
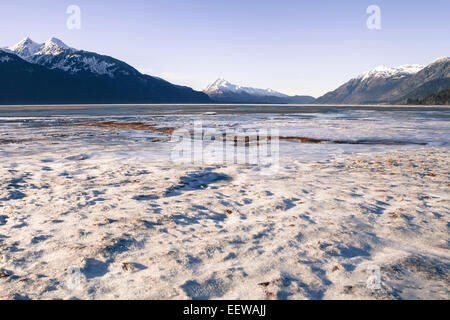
[[296, 47]]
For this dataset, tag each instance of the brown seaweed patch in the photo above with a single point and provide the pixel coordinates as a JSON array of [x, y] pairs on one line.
[[128, 126], [364, 142], [304, 139], [12, 141], [247, 139]]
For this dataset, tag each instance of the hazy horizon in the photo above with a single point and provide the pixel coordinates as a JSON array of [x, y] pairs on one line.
[[298, 48]]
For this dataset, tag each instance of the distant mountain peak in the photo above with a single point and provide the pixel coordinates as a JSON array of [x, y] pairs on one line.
[[53, 46], [221, 85], [224, 91], [53, 72], [55, 54], [441, 59], [25, 48], [24, 42], [388, 72], [57, 42], [216, 85], [392, 85]]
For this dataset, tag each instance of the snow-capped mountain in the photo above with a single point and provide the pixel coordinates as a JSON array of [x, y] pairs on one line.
[[431, 79], [55, 54], [386, 72], [221, 85], [25, 48], [53, 72], [223, 91], [392, 85]]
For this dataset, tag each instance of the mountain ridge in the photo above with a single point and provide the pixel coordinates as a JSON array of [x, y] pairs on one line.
[[392, 85], [85, 77], [223, 91], [114, 81]]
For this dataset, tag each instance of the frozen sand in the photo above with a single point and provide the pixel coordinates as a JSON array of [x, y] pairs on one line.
[[99, 212], [308, 232]]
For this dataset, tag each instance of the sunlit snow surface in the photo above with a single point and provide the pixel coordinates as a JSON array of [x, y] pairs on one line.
[[374, 130], [113, 205]]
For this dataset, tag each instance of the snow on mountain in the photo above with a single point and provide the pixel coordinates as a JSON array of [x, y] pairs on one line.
[[441, 59], [26, 48], [54, 73], [226, 92], [55, 54], [396, 72], [53, 46], [392, 85], [221, 86]]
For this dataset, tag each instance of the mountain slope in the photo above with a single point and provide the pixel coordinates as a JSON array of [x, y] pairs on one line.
[[431, 79], [370, 86], [226, 92], [24, 82], [53, 72], [440, 98], [392, 85], [54, 54]]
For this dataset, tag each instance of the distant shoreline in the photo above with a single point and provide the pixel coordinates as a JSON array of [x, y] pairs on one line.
[[203, 108]]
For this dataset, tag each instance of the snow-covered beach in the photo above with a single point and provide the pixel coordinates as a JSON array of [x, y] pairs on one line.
[[101, 212]]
